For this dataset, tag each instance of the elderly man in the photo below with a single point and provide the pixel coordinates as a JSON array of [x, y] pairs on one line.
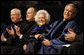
[[54, 38], [15, 16], [8, 36]]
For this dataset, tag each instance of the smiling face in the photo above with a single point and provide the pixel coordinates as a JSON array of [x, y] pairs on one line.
[[69, 12], [30, 14], [41, 19], [15, 16]]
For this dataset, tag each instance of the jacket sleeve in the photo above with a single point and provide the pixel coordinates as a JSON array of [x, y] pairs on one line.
[[60, 40]]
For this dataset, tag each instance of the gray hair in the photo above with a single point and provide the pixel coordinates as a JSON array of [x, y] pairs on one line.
[[17, 10], [73, 5], [46, 14]]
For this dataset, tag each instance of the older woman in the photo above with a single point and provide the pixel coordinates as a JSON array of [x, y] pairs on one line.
[[32, 43], [42, 19]]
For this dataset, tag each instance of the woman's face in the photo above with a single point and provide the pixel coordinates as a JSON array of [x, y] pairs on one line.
[[41, 19]]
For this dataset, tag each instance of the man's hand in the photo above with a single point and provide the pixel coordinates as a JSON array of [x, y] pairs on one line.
[[17, 30], [11, 32], [3, 38], [38, 36], [24, 47], [46, 42], [70, 36]]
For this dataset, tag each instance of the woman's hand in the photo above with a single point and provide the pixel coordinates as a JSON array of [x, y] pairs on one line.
[[38, 36]]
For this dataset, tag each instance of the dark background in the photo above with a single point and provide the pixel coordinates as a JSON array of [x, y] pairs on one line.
[[55, 8]]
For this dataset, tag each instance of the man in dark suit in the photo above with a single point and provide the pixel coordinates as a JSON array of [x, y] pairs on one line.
[[54, 38]]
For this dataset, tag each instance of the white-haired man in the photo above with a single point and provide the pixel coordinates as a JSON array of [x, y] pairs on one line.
[[15, 16], [8, 36]]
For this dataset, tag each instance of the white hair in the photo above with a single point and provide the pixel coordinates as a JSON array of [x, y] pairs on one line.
[[47, 15], [17, 10]]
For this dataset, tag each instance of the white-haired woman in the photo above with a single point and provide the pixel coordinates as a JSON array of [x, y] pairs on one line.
[[42, 19], [33, 43]]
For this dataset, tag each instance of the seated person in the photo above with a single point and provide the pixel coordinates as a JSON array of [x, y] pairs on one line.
[[29, 22], [54, 38], [8, 39], [74, 48], [32, 43]]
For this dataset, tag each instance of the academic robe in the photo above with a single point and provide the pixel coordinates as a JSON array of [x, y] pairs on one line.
[[11, 42], [32, 43], [56, 36], [75, 48], [14, 41], [8, 36]]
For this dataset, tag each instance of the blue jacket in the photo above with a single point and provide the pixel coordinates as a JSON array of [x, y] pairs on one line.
[[57, 40]]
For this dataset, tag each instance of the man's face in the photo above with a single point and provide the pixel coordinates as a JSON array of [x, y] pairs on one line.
[[41, 19], [15, 17], [30, 14], [69, 12]]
